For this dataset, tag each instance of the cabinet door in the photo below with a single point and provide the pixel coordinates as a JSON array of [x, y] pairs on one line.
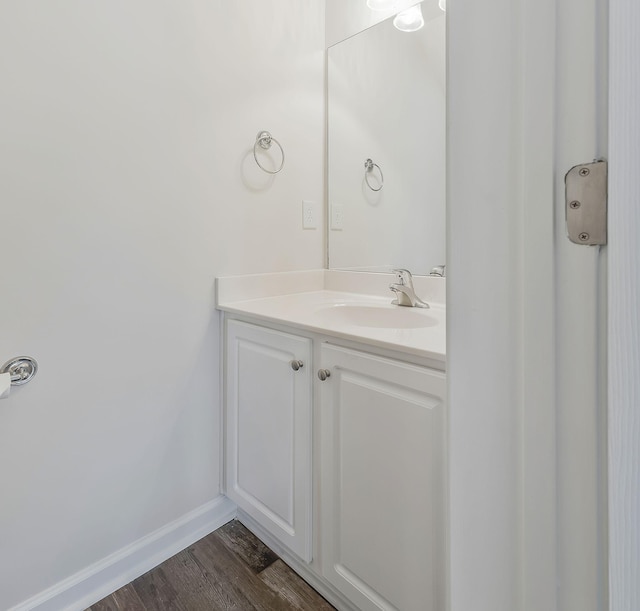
[[382, 481], [268, 431]]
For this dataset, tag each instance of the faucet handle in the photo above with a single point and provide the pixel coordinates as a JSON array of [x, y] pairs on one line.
[[404, 277]]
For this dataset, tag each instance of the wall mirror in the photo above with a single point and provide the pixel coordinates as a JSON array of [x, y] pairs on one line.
[[386, 104]]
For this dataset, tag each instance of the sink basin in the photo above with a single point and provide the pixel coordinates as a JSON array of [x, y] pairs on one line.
[[378, 316]]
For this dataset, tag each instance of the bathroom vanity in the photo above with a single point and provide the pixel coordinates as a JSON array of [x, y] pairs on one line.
[[335, 430]]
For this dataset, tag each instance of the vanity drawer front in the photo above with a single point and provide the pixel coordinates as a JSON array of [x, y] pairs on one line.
[[268, 430]]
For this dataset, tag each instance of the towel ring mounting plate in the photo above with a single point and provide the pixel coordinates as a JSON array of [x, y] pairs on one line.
[[21, 368]]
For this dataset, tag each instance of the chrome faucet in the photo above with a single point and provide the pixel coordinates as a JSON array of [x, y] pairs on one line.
[[403, 288]]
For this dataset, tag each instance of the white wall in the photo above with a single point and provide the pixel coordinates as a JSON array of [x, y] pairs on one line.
[[126, 185]]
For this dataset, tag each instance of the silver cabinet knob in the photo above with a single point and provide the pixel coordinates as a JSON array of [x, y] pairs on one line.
[[295, 365], [323, 374]]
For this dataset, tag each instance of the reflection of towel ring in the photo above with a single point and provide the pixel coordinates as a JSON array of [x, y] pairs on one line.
[[264, 140], [369, 165]]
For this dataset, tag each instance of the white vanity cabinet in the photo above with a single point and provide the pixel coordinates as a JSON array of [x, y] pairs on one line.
[[268, 430], [382, 514], [378, 476]]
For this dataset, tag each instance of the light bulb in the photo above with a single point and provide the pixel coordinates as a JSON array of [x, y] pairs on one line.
[[409, 20], [381, 5], [442, 4]]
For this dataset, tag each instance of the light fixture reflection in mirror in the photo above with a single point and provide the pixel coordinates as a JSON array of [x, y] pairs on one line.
[[381, 5], [410, 20], [442, 4]]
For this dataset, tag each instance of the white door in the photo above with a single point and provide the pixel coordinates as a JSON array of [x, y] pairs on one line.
[[268, 431], [623, 306], [526, 361], [382, 489]]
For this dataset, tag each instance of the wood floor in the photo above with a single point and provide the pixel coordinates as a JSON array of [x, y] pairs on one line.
[[229, 569]]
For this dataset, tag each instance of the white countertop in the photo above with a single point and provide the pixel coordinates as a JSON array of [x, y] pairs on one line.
[[370, 319]]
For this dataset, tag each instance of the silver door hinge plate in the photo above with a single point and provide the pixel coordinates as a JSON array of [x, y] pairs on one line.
[[586, 203]]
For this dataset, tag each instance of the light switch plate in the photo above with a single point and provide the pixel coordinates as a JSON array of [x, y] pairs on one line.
[[337, 217], [309, 220]]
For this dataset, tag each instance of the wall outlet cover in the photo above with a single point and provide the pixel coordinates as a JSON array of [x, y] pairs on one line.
[[337, 217], [309, 217]]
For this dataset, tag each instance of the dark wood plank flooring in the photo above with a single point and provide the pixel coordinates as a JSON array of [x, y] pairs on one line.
[[229, 570]]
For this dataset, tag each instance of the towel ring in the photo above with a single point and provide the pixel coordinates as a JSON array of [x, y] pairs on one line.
[[264, 140], [368, 166]]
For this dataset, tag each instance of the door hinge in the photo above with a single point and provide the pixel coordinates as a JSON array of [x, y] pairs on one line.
[[586, 203]]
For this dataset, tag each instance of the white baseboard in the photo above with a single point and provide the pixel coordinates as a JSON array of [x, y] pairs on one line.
[[116, 570]]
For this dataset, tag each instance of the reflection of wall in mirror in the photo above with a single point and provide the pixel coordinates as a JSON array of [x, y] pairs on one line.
[[387, 103]]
